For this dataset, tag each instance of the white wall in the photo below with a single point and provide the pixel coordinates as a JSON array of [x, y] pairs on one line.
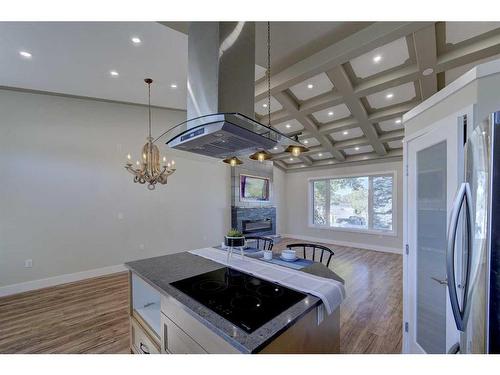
[[63, 188], [296, 193]]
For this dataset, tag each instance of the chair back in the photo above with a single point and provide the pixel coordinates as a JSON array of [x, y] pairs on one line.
[[323, 251], [263, 243]]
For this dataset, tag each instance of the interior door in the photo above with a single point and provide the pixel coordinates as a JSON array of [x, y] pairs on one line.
[[435, 169]]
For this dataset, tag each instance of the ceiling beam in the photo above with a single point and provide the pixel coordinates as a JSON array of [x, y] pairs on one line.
[[426, 55], [341, 81], [469, 53], [289, 104], [359, 159]]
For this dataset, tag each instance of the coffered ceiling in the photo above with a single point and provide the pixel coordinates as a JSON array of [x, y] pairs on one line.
[[345, 102]]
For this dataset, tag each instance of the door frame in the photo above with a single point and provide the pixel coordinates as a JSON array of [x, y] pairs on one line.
[[469, 112]]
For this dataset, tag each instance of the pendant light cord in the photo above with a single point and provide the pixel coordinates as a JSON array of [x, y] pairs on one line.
[[269, 74], [149, 108]]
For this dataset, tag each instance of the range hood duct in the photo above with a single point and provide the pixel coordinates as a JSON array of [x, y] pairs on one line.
[[221, 68]]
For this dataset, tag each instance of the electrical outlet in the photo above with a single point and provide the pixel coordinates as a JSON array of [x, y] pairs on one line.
[[28, 263]]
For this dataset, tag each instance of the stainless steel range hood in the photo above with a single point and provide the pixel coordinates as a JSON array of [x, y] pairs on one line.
[[221, 94]]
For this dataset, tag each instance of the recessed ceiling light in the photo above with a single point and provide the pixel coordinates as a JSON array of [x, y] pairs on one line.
[[288, 126], [25, 54], [428, 72], [306, 142], [275, 147], [310, 86], [330, 113], [389, 96], [398, 121], [264, 105], [356, 148], [345, 132], [173, 85], [291, 159], [114, 73], [377, 58], [320, 154], [136, 40]]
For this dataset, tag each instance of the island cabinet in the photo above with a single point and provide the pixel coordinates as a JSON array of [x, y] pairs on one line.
[[161, 324]]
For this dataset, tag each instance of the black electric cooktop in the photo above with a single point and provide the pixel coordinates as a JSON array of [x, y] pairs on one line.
[[246, 301]]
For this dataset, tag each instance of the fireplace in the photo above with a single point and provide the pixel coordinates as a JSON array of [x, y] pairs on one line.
[[257, 226], [257, 221]]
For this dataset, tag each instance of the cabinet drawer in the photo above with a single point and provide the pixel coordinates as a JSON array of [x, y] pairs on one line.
[[176, 341], [141, 342]]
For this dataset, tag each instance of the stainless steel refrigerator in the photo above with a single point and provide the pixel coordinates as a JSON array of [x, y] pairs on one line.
[[473, 249]]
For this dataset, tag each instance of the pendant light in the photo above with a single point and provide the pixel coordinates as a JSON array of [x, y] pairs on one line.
[[232, 161], [150, 169]]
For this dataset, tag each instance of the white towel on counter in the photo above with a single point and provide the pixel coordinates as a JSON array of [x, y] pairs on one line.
[[331, 292]]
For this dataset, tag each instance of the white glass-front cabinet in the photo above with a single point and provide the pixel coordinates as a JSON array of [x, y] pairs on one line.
[[434, 169]]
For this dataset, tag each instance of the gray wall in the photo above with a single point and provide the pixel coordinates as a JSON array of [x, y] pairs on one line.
[[67, 202], [295, 187]]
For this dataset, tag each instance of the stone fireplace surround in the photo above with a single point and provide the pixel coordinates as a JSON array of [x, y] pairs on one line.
[[242, 211]]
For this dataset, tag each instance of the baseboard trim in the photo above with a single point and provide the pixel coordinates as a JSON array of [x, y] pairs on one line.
[[57, 280], [345, 243]]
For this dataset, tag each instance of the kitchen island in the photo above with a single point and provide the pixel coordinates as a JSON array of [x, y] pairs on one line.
[[166, 320]]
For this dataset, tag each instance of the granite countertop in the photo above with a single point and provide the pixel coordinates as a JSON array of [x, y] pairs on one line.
[[163, 270]]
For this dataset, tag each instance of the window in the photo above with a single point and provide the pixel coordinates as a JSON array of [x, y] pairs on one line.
[[361, 203]]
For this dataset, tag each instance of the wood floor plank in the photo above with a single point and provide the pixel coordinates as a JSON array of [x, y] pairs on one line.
[[91, 316]]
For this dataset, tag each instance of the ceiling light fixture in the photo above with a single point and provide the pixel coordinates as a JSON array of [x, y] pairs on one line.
[[136, 40], [25, 54], [398, 121], [320, 154], [264, 105], [150, 170], [345, 132], [288, 126], [356, 148], [377, 58], [330, 113], [114, 73], [291, 159], [173, 85], [261, 156], [233, 161], [296, 150], [306, 142], [310, 86], [275, 147], [389, 96]]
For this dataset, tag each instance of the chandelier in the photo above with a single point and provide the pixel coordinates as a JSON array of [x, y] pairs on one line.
[[150, 169]]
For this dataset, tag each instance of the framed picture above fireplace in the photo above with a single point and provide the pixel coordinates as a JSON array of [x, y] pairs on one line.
[[254, 188]]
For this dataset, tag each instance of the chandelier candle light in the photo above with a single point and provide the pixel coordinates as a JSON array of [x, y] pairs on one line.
[[150, 169]]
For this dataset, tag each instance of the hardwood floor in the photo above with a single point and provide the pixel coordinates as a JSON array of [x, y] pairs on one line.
[[91, 316], [371, 315]]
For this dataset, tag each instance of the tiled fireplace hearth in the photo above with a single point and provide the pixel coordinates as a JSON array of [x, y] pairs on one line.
[[257, 221]]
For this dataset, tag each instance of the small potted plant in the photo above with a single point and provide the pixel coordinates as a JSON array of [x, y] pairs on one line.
[[234, 238]]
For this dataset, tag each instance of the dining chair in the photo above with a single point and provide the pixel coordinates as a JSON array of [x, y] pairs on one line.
[[263, 243], [321, 249]]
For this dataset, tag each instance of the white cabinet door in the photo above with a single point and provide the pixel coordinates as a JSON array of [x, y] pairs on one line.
[[435, 168]]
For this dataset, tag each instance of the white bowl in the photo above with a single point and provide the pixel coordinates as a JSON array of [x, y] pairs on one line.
[[289, 254]]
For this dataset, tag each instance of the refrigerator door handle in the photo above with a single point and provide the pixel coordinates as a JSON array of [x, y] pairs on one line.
[[467, 284], [450, 256]]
